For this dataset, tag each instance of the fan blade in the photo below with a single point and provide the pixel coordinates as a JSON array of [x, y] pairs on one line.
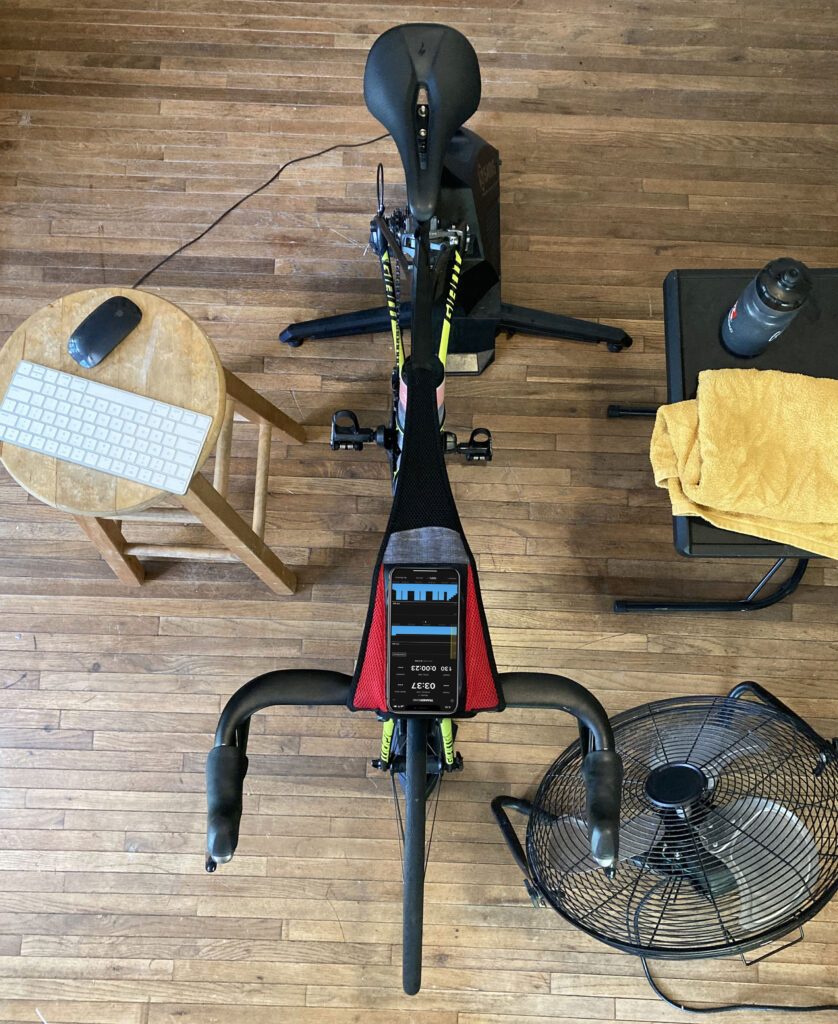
[[714, 744], [771, 853]]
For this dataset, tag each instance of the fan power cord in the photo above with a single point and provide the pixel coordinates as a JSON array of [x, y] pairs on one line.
[[270, 181], [733, 1006]]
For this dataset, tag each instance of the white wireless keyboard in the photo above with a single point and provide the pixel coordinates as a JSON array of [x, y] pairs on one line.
[[101, 427]]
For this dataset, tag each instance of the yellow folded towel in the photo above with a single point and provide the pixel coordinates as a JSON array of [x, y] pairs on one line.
[[756, 452]]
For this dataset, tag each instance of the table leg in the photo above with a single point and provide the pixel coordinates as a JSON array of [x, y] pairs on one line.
[[106, 535], [221, 519], [751, 603]]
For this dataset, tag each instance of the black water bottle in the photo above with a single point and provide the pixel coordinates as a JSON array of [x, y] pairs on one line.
[[766, 307]]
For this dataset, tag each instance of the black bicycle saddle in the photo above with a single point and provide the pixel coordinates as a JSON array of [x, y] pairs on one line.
[[422, 82]]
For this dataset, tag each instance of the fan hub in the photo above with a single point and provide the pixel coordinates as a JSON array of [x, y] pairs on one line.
[[676, 785]]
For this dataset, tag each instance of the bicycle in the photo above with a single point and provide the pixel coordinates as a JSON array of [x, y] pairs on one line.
[[426, 654]]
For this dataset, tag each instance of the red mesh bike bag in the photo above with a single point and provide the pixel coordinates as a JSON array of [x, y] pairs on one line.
[[424, 528]]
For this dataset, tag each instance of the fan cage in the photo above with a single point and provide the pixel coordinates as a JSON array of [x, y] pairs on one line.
[[747, 863]]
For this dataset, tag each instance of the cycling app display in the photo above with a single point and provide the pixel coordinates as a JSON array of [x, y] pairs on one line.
[[423, 633]]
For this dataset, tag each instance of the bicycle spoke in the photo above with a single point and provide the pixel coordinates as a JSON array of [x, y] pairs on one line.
[[399, 821], [433, 822]]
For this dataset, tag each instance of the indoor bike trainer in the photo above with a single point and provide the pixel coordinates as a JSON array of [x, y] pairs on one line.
[[468, 211]]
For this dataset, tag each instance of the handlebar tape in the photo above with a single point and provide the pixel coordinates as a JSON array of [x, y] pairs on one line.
[[226, 769], [602, 771]]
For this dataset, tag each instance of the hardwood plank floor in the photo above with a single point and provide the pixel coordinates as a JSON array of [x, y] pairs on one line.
[[634, 139]]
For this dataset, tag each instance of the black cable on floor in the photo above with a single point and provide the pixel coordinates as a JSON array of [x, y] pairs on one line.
[[270, 181], [732, 1006]]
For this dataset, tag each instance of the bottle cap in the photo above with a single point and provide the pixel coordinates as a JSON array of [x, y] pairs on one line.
[[784, 284]]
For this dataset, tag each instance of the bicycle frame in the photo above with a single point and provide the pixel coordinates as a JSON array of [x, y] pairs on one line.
[[227, 762]]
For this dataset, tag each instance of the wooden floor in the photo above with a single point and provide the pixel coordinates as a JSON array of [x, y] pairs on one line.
[[635, 138]]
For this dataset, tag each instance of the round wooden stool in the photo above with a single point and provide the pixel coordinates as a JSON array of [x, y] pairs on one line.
[[167, 357]]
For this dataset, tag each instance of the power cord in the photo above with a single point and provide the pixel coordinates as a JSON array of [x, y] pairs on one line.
[[733, 1006], [270, 181]]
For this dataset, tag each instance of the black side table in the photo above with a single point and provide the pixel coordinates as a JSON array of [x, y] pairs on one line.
[[695, 301]]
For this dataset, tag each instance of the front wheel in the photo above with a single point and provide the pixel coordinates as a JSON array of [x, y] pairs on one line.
[[415, 783]]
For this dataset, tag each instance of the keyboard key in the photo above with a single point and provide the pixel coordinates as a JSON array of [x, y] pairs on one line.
[[193, 433]]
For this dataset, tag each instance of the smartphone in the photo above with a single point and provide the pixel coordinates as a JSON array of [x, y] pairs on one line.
[[424, 639]]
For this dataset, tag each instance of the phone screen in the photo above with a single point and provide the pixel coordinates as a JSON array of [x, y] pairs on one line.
[[423, 633]]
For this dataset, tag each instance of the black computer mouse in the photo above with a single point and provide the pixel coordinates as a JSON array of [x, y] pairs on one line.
[[99, 333]]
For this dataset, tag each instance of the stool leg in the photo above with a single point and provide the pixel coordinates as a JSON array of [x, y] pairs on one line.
[[228, 526], [261, 409], [263, 467], [108, 540], [221, 477]]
